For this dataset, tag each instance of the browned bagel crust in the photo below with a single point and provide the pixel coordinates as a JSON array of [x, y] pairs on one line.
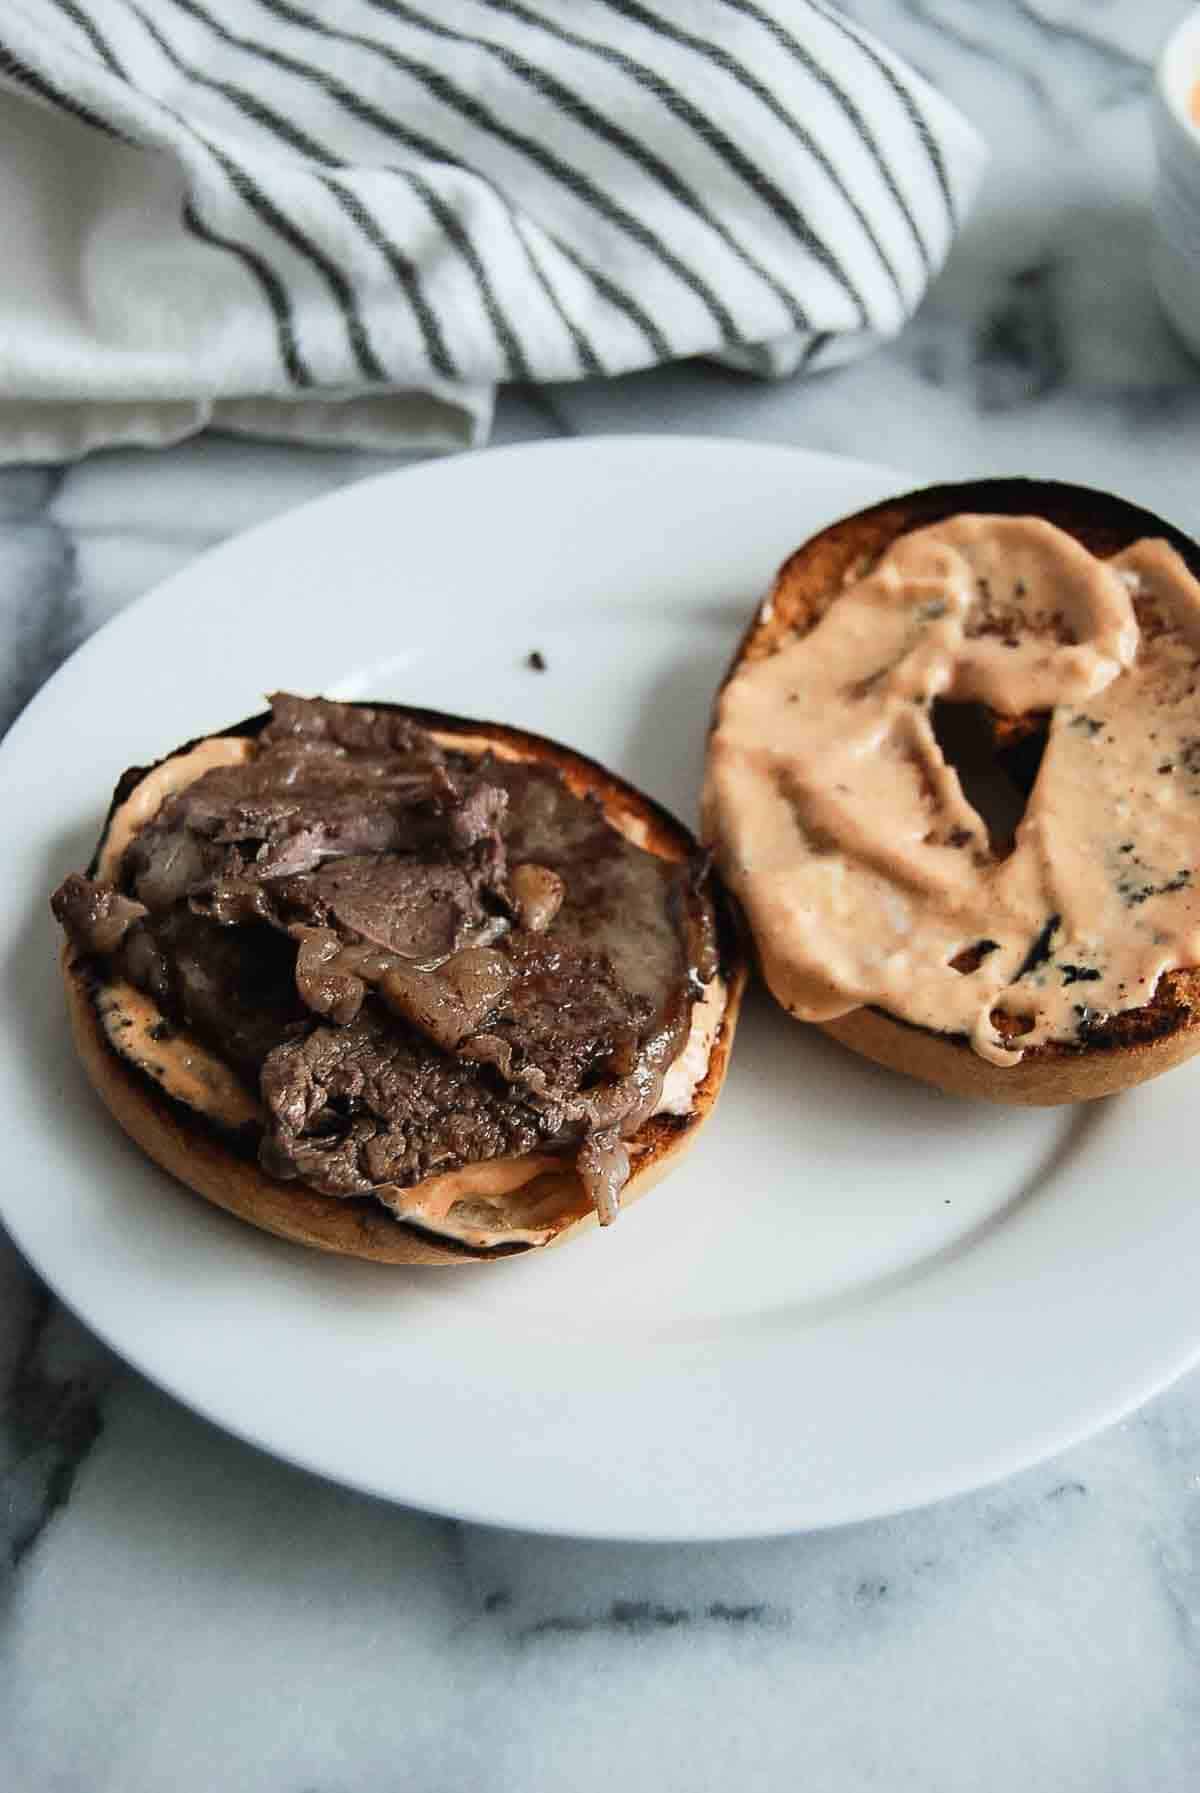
[[222, 1166], [1127, 1048]]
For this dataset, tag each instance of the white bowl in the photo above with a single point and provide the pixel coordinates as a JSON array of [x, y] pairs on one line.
[[1175, 254]]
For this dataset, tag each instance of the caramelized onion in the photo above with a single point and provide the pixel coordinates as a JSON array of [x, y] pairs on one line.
[[603, 1166], [537, 894]]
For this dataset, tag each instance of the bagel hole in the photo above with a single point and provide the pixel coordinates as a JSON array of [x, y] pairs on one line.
[[1010, 1026], [996, 762]]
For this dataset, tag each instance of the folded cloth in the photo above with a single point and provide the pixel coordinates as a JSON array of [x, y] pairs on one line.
[[350, 220]]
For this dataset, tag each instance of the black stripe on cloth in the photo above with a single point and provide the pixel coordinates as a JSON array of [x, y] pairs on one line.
[[426, 147], [836, 92], [449, 221], [620, 300], [725, 147], [917, 118], [556, 93], [401, 268], [276, 294], [404, 272], [90, 30], [746, 78], [18, 70], [518, 366], [273, 289], [247, 188], [473, 110], [589, 361], [813, 349]]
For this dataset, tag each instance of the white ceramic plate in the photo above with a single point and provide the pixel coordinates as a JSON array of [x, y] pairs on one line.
[[855, 1296]]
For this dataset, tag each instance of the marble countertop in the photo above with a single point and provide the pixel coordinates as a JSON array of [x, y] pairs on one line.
[[179, 1611]]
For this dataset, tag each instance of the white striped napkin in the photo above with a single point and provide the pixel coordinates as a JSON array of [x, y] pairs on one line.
[[350, 220]]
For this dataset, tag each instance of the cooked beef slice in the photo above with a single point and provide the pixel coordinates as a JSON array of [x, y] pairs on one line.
[[622, 924], [95, 917], [418, 908], [356, 728], [353, 1107], [566, 1014], [234, 988], [305, 800]]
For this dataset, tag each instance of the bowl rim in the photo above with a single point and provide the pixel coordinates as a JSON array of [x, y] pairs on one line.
[[1177, 73]]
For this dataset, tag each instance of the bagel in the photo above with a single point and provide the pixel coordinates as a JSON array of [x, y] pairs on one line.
[[200, 1115], [955, 749]]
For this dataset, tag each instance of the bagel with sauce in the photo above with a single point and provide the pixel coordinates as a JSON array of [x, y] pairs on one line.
[[953, 779], [398, 985]]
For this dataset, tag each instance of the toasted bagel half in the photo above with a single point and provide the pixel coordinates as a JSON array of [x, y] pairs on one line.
[[195, 1117], [1112, 1051]]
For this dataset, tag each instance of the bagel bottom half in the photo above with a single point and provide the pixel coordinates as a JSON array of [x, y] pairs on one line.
[[491, 1210]]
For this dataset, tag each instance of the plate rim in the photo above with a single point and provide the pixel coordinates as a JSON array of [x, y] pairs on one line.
[[1051, 1439]]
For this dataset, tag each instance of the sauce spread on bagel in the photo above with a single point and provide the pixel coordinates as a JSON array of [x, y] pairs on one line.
[[867, 875]]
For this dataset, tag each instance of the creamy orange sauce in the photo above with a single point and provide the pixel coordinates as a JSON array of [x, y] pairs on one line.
[[506, 1201], [687, 1072], [864, 870], [180, 1066], [1194, 103]]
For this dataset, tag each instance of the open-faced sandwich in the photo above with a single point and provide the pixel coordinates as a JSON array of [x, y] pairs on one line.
[[399, 985], [954, 779]]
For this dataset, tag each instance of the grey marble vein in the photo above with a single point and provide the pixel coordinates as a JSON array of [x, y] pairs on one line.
[[1017, 352], [41, 618], [54, 1376], [53, 1425], [1128, 71]]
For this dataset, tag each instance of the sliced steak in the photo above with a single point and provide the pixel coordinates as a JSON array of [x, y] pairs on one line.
[[234, 988], [611, 971], [338, 918], [305, 799], [353, 1107], [95, 917], [418, 908], [356, 728]]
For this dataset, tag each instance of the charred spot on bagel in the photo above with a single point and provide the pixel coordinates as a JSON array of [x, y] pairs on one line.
[[971, 957], [1040, 949], [1175, 1004]]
